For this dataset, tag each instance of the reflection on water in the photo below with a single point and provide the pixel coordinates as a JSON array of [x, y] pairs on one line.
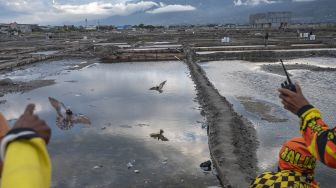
[[237, 80], [123, 113]]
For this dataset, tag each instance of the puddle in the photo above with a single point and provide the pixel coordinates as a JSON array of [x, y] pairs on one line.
[[50, 52], [246, 46], [307, 45], [163, 46], [120, 45], [241, 81], [124, 115]]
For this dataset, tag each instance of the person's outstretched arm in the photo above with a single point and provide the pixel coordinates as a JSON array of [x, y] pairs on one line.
[[320, 140], [23, 151]]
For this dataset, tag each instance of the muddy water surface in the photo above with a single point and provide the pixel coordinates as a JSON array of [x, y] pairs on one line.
[[123, 113], [253, 92]]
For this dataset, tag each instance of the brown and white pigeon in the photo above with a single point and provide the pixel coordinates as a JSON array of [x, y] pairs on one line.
[[159, 87], [65, 117]]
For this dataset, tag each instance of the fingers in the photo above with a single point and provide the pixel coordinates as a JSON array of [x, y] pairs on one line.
[[288, 106], [298, 88], [287, 92], [29, 109]]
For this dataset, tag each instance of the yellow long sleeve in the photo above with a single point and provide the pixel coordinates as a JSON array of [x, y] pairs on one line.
[[26, 164]]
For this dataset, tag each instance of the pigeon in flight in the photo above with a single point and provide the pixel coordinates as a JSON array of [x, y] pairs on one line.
[[65, 117], [159, 87], [159, 136]]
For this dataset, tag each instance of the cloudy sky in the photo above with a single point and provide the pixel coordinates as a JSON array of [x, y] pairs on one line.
[[130, 11]]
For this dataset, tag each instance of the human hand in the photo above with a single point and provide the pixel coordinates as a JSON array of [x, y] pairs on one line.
[[293, 101], [31, 121]]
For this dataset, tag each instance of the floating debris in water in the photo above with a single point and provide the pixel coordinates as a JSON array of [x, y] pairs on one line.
[[97, 167], [103, 128], [65, 117], [137, 171], [130, 164], [165, 161], [159, 136], [206, 166]]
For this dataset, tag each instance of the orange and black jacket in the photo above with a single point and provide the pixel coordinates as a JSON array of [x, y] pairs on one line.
[[319, 138]]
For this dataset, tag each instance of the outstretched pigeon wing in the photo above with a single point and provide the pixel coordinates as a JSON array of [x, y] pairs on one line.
[[162, 84], [79, 118], [153, 88], [57, 105], [163, 138]]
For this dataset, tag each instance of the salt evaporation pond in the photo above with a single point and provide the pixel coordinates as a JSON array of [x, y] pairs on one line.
[[123, 113], [253, 93]]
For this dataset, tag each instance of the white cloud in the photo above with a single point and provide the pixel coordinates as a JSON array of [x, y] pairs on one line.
[[253, 2], [59, 11], [24, 6], [99, 8], [257, 2], [171, 8], [303, 0]]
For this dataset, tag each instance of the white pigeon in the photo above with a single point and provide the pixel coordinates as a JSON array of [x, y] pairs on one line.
[[65, 117], [159, 87]]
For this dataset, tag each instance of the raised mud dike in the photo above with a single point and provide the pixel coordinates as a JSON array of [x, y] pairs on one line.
[[232, 140]]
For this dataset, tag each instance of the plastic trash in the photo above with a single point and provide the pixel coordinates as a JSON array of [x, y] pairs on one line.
[[97, 167], [129, 165]]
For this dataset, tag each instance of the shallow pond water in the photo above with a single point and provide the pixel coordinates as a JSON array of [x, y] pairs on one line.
[[50, 52], [254, 95], [283, 50], [124, 112]]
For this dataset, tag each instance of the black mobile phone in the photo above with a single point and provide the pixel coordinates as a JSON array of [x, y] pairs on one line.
[[287, 84]]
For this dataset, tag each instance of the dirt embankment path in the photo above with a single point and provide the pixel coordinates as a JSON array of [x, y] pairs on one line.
[[232, 140]]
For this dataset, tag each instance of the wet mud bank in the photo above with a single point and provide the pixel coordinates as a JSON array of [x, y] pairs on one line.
[[232, 139], [142, 55], [9, 86]]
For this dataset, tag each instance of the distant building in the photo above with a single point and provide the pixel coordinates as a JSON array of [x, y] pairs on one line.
[[91, 28], [23, 28], [4, 28], [271, 19], [124, 27]]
